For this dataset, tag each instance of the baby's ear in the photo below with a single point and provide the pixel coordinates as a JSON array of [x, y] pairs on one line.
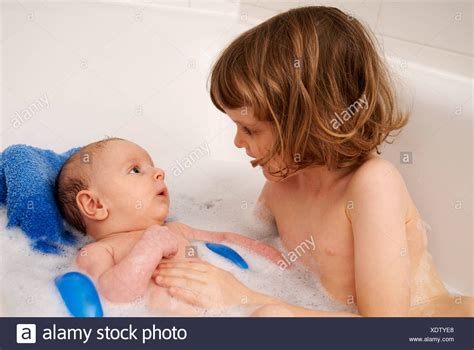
[[90, 205]]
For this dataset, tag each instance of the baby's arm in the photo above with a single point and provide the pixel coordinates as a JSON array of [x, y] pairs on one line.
[[381, 259], [128, 280], [238, 239]]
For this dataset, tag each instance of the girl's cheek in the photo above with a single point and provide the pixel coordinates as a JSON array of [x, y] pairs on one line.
[[263, 146]]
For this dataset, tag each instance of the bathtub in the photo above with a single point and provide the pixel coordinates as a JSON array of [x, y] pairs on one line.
[[139, 71]]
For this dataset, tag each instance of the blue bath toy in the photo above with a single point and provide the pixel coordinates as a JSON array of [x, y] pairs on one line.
[[79, 295], [228, 253]]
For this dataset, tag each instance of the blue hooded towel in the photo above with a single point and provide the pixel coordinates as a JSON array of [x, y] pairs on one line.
[[27, 180]]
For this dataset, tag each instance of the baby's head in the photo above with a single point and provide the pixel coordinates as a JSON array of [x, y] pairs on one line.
[[306, 88], [111, 186]]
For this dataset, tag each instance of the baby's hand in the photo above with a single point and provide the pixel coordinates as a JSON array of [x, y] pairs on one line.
[[163, 238]]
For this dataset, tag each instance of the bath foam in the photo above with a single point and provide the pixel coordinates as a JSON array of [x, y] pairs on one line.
[[28, 281], [27, 277]]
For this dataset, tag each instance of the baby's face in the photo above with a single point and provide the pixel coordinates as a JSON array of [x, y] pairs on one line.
[[129, 185]]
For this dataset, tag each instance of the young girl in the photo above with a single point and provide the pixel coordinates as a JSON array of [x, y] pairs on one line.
[[313, 101]]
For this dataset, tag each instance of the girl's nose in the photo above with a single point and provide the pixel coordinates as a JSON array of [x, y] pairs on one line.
[[238, 141], [159, 174]]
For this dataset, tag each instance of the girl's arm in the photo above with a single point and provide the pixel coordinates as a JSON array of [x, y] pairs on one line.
[[264, 212], [221, 237], [380, 203]]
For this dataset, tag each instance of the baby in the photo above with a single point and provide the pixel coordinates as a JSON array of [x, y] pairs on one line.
[[112, 191]]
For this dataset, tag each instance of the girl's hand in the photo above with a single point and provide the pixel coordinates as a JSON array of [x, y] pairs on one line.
[[201, 284]]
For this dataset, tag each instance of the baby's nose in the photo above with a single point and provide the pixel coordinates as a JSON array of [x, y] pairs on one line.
[[159, 174]]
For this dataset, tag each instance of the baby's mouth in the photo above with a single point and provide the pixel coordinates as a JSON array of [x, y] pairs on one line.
[[163, 193]]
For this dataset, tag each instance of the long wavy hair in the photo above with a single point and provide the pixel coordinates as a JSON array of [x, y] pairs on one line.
[[301, 70]]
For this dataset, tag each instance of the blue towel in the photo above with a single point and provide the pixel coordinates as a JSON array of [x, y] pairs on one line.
[[27, 180]]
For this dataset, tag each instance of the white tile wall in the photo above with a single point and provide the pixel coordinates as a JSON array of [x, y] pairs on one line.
[[444, 25], [434, 33]]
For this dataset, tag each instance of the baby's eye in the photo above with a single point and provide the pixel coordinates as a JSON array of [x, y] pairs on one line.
[[247, 130], [134, 170]]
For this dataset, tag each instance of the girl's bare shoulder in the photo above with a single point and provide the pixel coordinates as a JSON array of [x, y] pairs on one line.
[[378, 181], [376, 172]]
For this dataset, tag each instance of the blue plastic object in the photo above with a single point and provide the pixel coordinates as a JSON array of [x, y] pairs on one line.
[[79, 295], [228, 253]]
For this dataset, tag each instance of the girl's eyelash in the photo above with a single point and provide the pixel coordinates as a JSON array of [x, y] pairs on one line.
[[247, 130]]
